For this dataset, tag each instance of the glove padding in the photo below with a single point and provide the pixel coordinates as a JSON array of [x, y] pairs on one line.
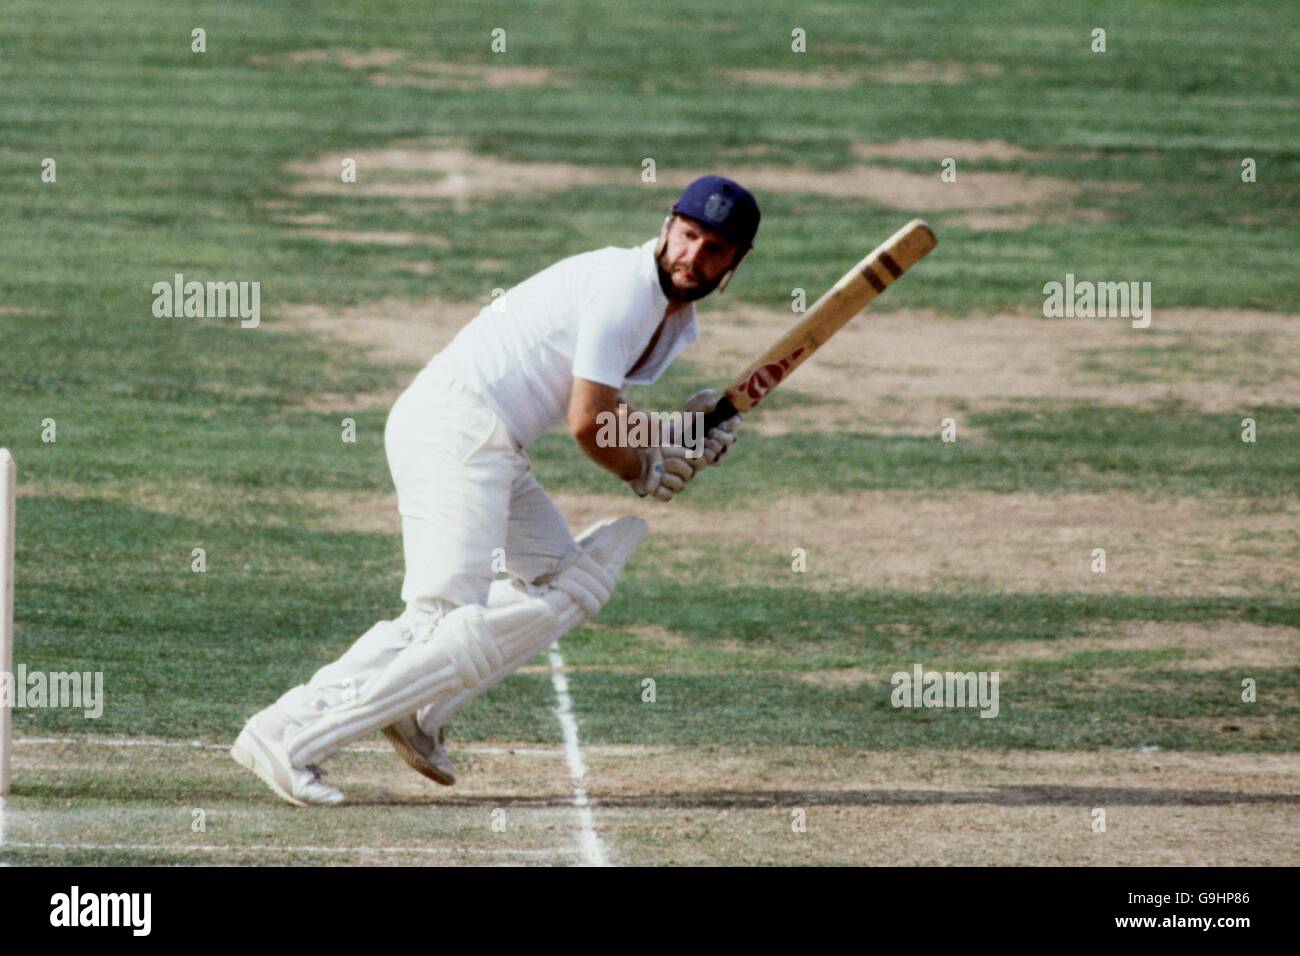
[[720, 438], [665, 470]]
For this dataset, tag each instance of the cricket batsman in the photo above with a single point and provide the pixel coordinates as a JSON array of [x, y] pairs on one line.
[[560, 346]]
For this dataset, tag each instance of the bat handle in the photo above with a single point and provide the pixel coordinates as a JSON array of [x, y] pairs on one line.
[[721, 412]]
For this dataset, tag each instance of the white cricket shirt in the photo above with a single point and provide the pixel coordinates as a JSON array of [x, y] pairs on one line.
[[590, 316]]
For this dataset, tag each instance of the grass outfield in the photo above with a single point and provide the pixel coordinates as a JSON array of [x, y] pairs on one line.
[[772, 687]]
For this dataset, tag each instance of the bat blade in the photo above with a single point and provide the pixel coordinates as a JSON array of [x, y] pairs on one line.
[[870, 277]]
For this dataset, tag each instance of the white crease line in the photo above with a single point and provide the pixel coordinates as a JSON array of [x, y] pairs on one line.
[[593, 850], [289, 848], [2, 826], [356, 748], [203, 745]]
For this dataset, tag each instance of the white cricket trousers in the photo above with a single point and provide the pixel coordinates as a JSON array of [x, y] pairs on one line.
[[470, 505]]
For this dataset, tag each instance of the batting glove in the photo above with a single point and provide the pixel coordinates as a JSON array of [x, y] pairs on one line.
[[720, 438], [665, 470]]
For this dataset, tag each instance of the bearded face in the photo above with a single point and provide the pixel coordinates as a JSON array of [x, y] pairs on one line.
[[693, 259]]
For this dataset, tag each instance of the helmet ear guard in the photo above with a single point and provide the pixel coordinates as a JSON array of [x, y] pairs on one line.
[[663, 237]]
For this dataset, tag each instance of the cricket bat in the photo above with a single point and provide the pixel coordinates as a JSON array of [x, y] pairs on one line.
[[870, 277]]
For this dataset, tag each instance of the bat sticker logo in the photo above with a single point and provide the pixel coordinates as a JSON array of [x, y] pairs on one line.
[[765, 378]]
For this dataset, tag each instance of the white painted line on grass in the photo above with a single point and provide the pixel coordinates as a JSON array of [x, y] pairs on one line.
[[593, 851], [290, 848], [551, 752], [119, 742], [204, 745]]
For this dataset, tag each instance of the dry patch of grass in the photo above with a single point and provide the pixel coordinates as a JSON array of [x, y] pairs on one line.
[[701, 805], [349, 58], [905, 371], [445, 169], [473, 76], [322, 226], [658, 805], [1222, 645], [1244, 728], [939, 149], [911, 72], [401, 332], [1018, 221], [901, 189], [310, 219], [650, 634], [448, 169], [200, 501], [924, 72], [375, 238], [958, 541], [839, 677], [390, 67], [820, 79]]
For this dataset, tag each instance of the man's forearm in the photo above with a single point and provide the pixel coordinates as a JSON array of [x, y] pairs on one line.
[[623, 462], [615, 458]]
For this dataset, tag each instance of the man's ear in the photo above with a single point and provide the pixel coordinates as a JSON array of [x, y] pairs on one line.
[[663, 237], [726, 276]]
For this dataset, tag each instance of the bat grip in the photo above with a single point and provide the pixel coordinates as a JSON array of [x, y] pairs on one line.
[[721, 412]]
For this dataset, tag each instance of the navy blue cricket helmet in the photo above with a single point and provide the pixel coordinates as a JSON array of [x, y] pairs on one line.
[[723, 205]]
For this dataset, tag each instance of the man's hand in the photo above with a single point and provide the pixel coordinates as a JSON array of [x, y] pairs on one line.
[[720, 438], [665, 471]]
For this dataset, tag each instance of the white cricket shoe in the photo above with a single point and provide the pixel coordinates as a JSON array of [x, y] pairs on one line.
[[421, 752], [267, 757]]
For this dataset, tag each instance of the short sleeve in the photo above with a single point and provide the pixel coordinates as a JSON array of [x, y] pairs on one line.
[[607, 337]]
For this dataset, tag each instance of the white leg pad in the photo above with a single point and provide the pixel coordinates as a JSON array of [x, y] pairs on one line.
[[468, 647], [577, 591], [339, 680], [569, 615]]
